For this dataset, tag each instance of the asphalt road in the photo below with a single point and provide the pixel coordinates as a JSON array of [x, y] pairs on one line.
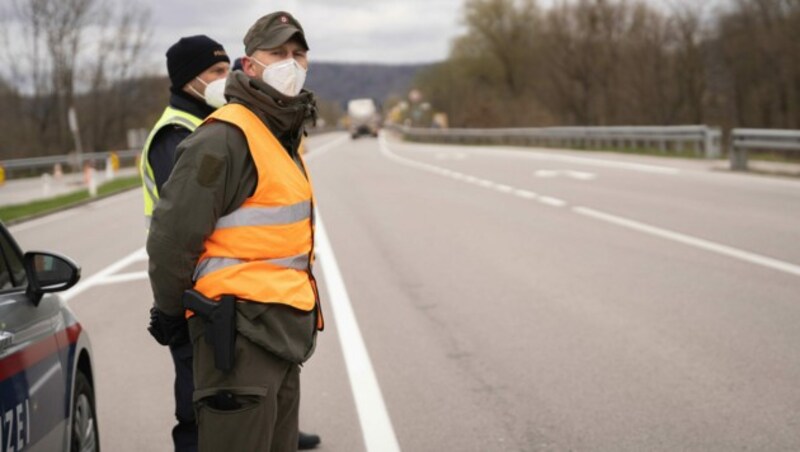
[[502, 300]]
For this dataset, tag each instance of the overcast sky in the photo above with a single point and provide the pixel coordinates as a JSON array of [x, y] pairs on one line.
[[374, 31], [385, 31]]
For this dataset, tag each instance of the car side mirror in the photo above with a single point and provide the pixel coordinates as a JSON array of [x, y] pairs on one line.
[[47, 273]]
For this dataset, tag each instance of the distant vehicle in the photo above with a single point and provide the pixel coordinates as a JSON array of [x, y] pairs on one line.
[[46, 380], [363, 117]]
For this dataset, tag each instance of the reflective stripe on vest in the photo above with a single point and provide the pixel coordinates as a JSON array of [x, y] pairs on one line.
[[174, 117], [263, 251], [266, 215]]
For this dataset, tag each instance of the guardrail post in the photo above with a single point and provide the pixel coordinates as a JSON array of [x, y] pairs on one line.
[[711, 137], [738, 154], [738, 159]]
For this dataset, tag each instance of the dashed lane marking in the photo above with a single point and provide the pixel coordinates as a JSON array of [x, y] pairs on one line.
[[316, 152], [707, 245]]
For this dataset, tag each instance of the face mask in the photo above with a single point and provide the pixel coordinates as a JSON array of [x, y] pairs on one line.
[[215, 93], [286, 76]]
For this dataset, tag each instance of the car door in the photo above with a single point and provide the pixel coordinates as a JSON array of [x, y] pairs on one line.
[[33, 398]]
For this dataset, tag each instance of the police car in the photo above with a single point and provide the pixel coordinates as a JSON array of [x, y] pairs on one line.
[[46, 385]]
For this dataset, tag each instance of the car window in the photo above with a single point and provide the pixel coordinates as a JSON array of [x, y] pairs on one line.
[[12, 268]]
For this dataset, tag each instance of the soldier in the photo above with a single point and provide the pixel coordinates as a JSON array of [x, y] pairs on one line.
[[235, 223]]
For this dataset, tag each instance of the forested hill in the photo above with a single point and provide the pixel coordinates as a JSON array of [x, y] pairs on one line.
[[341, 82]]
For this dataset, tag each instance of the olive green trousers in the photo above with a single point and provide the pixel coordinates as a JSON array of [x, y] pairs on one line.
[[254, 407]]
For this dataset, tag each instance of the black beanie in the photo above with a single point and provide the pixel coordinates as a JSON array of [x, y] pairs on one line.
[[190, 56]]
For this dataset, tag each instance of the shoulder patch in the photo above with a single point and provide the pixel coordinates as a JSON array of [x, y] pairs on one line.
[[209, 171]]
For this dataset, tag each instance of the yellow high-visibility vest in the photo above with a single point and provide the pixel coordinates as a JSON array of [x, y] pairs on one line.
[[170, 117]]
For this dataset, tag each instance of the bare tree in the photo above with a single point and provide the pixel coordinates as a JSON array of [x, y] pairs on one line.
[[112, 73], [47, 59], [762, 54]]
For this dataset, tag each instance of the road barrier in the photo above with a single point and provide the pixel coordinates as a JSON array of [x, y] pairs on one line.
[[745, 140], [38, 165], [700, 140]]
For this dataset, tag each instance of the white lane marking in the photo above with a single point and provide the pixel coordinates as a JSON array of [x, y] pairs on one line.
[[707, 245], [58, 216], [589, 161], [138, 255], [451, 156], [123, 278], [641, 167], [315, 152], [525, 194], [115, 199], [375, 423], [580, 175], [42, 221], [550, 201]]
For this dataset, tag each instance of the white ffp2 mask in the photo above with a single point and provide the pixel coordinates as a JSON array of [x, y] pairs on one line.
[[214, 93], [286, 76]]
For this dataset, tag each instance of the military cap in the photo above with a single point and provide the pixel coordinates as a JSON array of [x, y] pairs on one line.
[[273, 30]]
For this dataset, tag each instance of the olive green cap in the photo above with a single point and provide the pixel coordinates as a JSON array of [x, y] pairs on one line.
[[273, 30]]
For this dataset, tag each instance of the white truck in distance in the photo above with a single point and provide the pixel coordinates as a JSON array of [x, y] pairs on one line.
[[363, 118]]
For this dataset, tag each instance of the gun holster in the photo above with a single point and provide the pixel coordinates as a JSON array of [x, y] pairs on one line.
[[220, 321]]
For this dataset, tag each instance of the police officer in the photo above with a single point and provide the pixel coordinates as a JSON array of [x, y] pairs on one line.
[[235, 219], [197, 67]]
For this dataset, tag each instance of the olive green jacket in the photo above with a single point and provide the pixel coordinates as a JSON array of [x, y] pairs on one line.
[[213, 175]]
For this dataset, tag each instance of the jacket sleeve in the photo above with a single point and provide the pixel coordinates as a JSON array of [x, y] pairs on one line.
[[213, 175]]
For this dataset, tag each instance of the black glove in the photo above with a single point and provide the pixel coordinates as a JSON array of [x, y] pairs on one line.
[[168, 329]]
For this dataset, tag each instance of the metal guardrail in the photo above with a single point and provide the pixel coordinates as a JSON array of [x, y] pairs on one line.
[[745, 140], [700, 139], [38, 164]]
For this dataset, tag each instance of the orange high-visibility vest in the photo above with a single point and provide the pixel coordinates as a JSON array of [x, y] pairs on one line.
[[263, 251]]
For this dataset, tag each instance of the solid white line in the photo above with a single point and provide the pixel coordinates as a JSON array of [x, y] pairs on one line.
[[707, 245], [504, 188], [58, 216], [315, 152], [122, 278], [17, 228], [95, 279], [657, 169], [375, 423], [537, 155]]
